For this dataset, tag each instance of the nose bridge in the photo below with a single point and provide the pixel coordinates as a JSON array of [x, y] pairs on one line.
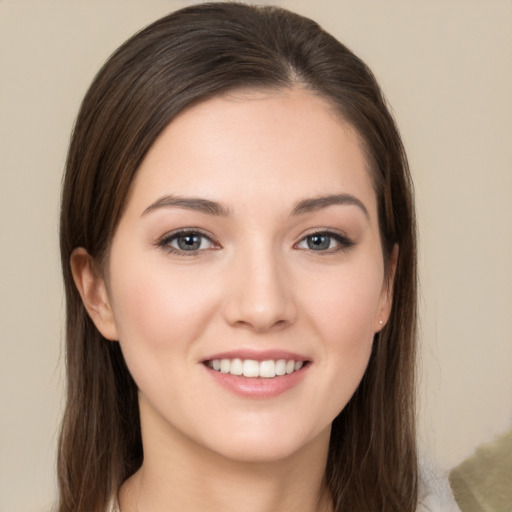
[[260, 294]]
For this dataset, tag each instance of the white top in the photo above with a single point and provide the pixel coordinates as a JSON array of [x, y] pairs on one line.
[[435, 494]]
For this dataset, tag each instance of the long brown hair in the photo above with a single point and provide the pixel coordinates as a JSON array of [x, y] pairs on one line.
[[186, 57]]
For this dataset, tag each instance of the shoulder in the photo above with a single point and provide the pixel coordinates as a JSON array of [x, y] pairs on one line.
[[435, 494]]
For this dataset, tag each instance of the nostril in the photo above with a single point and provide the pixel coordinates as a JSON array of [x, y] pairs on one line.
[[259, 297]]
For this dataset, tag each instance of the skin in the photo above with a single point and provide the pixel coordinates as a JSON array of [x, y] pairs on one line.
[[256, 284]]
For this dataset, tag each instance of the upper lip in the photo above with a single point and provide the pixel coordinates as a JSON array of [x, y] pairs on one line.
[[257, 355]]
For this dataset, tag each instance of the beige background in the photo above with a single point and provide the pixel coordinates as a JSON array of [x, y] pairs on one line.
[[446, 69]]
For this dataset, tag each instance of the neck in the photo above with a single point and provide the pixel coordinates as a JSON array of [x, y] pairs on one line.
[[177, 476]]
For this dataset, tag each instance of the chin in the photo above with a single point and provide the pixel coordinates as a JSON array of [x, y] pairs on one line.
[[270, 446]]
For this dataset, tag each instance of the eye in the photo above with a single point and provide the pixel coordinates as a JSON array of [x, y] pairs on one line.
[[325, 241], [187, 242]]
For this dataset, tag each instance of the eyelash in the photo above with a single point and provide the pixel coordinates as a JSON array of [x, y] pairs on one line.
[[166, 241], [343, 242]]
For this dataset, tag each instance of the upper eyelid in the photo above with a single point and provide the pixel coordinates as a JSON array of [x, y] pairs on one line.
[[171, 235], [326, 231], [341, 236], [187, 231]]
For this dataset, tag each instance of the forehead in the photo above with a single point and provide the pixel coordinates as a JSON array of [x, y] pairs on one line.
[[282, 143]]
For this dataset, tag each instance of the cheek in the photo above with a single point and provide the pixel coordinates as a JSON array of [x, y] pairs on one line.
[[160, 316], [158, 309], [348, 305], [344, 316]]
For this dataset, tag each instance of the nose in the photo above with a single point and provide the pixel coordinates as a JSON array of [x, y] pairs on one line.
[[260, 293]]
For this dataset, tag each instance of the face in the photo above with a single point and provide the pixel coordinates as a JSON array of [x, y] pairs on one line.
[[246, 276]]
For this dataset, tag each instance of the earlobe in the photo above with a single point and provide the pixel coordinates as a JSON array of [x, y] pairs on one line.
[[386, 302], [91, 287]]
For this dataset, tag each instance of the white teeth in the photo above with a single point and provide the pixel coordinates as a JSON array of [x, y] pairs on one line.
[[252, 368], [267, 369], [236, 367], [280, 367], [225, 364]]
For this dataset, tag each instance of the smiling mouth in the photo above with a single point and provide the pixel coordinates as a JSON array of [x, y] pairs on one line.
[[251, 368]]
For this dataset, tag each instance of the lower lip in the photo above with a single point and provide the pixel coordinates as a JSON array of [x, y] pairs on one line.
[[258, 387]]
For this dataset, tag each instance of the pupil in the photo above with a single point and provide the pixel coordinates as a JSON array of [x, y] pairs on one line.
[[189, 242], [318, 242]]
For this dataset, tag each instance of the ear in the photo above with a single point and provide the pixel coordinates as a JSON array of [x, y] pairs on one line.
[[386, 298], [91, 286]]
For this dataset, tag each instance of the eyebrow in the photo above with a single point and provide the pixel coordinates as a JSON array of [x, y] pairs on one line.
[[317, 203], [213, 208], [190, 203]]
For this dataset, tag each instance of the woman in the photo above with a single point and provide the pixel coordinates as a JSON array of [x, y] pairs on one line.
[[238, 246]]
